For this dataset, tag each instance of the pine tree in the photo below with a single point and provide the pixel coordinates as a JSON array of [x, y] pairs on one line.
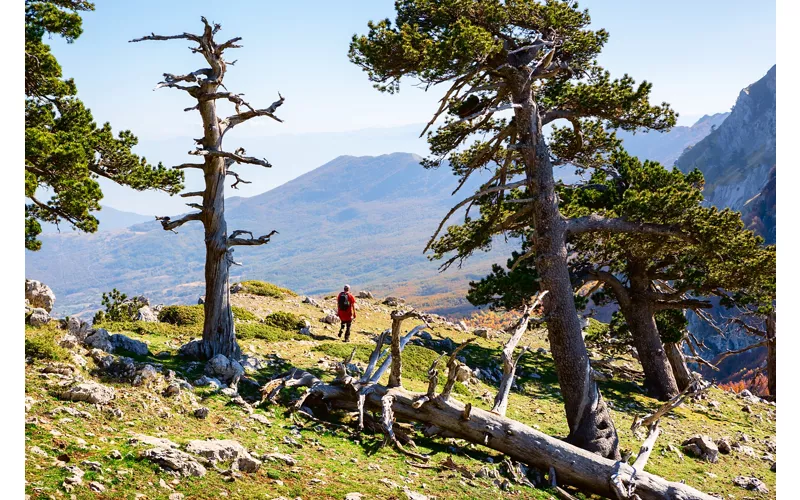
[[219, 333], [535, 63], [65, 151]]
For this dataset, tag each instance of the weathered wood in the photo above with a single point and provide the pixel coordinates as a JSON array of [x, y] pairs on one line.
[[683, 376], [574, 466], [509, 364]]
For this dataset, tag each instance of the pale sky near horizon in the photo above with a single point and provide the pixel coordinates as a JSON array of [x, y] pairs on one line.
[[698, 54]]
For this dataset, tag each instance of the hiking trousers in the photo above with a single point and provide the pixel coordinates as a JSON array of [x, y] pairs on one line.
[[347, 332]]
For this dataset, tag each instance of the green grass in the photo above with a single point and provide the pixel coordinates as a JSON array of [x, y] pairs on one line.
[[265, 289], [41, 343], [328, 453]]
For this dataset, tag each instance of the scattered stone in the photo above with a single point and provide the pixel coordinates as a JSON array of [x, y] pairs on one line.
[[176, 496], [483, 333], [394, 301], [38, 451], [147, 373], [99, 339], [251, 364], [38, 317], [172, 390], [152, 441], [69, 411], [39, 295], [147, 315], [223, 368], [330, 319], [310, 300], [128, 344], [115, 454], [76, 476], [702, 447], [95, 466], [413, 495], [724, 445], [365, 294], [750, 483], [260, 419], [354, 495], [217, 450], [68, 341], [237, 287], [90, 392], [247, 463], [204, 381], [714, 404], [745, 450], [747, 409], [175, 460], [201, 412], [275, 457], [231, 392], [488, 473], [96, 487]]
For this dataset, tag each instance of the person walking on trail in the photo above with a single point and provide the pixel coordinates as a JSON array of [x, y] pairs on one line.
[[347, 311]]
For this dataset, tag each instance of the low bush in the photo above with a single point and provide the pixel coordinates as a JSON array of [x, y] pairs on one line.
[[41, 343], [182, 315], [284, 320], [266, 289]]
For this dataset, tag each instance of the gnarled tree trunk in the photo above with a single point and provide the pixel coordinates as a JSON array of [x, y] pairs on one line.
[[772, 355], [219, 336], [590, 423]]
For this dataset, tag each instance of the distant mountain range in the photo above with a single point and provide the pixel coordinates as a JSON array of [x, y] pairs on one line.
[[109, 219], [357, 220]]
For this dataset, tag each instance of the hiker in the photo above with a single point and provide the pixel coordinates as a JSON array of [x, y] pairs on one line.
[[347, 311]]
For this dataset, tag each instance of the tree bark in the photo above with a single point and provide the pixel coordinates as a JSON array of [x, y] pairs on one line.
[[772, 355], [640, 316], [681, 372], [590, 424]]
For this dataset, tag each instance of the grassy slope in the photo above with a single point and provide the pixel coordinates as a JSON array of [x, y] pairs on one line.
[[343, 465]]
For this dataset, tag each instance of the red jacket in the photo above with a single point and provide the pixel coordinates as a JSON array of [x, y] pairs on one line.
[[349, 314]]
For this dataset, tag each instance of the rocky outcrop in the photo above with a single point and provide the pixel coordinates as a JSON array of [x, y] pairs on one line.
[[175, 460], [223, 368], [146, 314], [90, 392], [39, 295], [223, 450], [38, 317], [702, 447]]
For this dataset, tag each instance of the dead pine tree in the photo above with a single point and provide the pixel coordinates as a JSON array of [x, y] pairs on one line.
[[443, 415], [204, 85]]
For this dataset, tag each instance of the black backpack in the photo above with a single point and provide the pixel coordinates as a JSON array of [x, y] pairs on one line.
[[344, 302]]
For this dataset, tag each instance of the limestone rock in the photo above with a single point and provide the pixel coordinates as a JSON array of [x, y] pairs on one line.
[[394, 301], [218, 450], [330, 319], [702, 447], [201, 412], [99, 339], [175, 460], [39, 295], [125, 343], [90, 392], [365, 294], [275, 457], [152, 441], [38, 317], [483, 333], [724, 445], [237, 287], [68, 341], [146, 314], [751, 483], [204, 381], [311, 300], [223, 368]]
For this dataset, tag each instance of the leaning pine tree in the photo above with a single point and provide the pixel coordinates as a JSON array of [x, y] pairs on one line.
[[536, 61], [203, 85]]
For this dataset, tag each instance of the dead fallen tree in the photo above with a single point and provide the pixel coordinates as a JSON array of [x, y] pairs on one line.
[[446, 416]]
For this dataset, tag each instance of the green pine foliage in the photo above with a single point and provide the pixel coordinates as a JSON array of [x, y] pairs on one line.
[[65, 150]]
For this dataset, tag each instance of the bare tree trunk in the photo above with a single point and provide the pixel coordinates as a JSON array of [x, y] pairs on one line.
[[681, 372], [573, 466], [219, 336], [772, 355], [510, 364], [590, 424]]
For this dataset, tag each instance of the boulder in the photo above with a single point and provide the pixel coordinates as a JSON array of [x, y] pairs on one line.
[[204, 381], [223, 368], [275, 457], [147, 373], [147, 315], [702, 447], [330, 319], [723, 445], [175, 460], [217, 450], [192, 349], [751, 483], [39, 295], [251, 364], [38, 317], [201, 412], [365, 294], [483, 333], [68, 341], [99, 339], [237, 287], [90, 392], [125, 343], [151, 441], [394, 301], [201, 300], [310, 300]]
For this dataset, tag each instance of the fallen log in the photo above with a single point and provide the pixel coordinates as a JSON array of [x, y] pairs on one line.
[[573, 466]]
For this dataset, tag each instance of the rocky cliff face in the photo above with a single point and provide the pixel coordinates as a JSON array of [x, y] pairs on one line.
[[739, 164], [737, 157]]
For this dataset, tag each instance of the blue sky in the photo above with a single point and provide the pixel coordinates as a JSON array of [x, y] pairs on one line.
[[698, 54]]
